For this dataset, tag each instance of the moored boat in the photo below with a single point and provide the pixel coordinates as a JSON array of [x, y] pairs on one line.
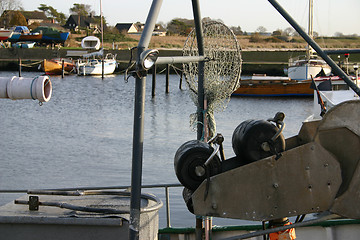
[[303, 67], [54, 66], [272, 86], [94, 66]]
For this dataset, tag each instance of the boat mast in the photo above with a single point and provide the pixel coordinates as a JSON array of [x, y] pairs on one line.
[[101, 24], [309, 49], [102, 39]]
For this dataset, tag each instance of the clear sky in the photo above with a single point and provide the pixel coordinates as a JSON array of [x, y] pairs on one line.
[[331, 16]]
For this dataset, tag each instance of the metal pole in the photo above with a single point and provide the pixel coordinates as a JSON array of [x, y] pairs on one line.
[[201, 95], [138, 130], [335, 68], [200, 43], [168, 222]]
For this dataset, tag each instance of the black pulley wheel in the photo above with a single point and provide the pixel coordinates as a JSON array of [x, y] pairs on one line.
[[189, 160], [251, 140]]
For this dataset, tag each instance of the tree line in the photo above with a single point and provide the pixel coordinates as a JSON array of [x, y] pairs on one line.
[[51, 13]]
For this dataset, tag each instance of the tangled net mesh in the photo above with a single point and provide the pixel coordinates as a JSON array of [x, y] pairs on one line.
[[221, 72]]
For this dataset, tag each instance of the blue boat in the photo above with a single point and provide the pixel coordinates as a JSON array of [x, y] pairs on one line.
[[51, 35], [17, 31]]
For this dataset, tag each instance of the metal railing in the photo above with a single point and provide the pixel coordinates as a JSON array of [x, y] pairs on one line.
[[151, 186]]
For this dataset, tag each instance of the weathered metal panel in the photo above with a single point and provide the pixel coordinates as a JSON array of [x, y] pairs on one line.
[[304, 180], [339, 133]]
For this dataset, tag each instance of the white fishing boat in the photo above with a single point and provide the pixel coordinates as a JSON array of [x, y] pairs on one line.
[[305, 66]]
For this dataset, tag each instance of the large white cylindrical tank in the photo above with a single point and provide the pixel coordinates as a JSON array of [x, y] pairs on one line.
[[38, 88]]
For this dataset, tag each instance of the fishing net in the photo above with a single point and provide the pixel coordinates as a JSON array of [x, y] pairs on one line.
[[221, 72]]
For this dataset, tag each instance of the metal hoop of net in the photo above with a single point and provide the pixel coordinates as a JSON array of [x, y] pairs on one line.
[[221, 73]]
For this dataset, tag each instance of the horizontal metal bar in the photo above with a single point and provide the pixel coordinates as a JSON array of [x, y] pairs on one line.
[[90, 188], [181, 59], [283, 228], [342, 51]]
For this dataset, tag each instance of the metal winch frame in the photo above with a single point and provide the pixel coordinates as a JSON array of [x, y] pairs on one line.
[[319, 171]]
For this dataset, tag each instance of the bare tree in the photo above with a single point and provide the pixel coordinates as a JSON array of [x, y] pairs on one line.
[[10, 5], [261, 29]]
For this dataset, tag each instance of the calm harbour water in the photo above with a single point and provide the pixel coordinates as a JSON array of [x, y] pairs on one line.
[[83, 136]]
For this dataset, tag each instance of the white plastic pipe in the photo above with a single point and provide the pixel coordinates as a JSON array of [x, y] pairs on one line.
[[38, 88]]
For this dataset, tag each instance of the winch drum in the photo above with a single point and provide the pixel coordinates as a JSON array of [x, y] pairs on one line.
[[251, 140], [190, 158]]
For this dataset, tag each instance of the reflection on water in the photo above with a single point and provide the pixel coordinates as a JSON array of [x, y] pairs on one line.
[[83, 135]]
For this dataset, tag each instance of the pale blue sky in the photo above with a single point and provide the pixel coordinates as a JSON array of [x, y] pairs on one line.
[[330, 15]]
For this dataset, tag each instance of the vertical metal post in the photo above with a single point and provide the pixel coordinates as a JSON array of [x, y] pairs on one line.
[[62, 68], [153, 86], [200, 43], [201, 95], [138, 130], [335, 68], [19, 67], [168, 222], [167, 78]]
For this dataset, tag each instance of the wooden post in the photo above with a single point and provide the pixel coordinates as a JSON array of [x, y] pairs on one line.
[[153, 86], [102, 68], [181, 79], [19, 67], [62, 68], [167, 78]]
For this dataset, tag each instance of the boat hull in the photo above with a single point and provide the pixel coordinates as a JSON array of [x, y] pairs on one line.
[[96, 69], [273, 87], [306, 71], [30, 37], [54, 66], [5, 34]]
